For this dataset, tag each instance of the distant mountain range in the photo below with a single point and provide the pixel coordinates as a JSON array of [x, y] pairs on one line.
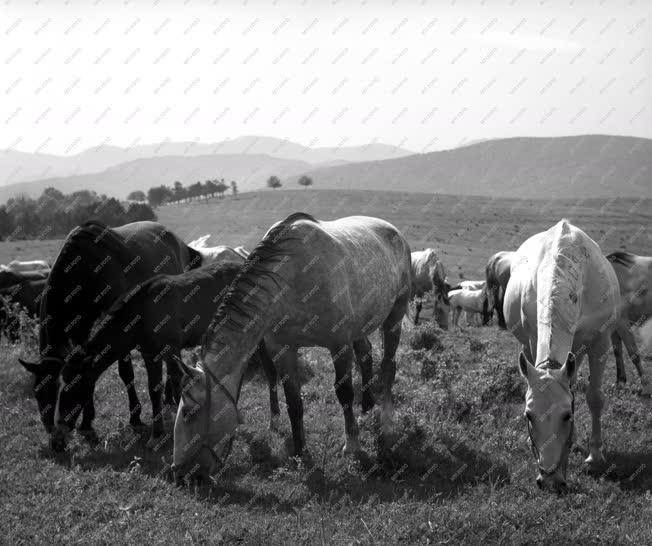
[[18, 167], [562, 167]]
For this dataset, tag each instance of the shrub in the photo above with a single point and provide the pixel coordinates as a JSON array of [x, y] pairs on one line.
[[425, 337], [503, 383], [477, 345]]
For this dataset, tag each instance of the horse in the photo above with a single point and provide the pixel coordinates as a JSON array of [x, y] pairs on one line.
[[31, 265], [307, 283], [469, 285], [485, 312], [218, 253], [10, 278], [467, 300], [634, 275], [497, 272], [26, 294], [160, 316], [95, 265], [562, 301], [428, 275]]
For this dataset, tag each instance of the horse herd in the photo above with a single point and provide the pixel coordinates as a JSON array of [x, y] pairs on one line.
[[312, 283]]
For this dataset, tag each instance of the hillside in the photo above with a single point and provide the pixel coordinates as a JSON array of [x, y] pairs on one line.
[[250, 171], [16, 166], [562, 167]]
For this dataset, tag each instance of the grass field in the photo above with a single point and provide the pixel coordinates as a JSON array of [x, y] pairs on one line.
[[460, 471]]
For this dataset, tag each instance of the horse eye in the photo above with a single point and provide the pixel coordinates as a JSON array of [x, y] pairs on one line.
[[567, 417]]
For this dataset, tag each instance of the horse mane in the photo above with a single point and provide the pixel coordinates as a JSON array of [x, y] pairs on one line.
[[621, 257], [244, 298]]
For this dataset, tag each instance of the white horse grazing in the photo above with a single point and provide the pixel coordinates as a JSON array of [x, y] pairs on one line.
[[562, 301], [467, 300], [428, 275], [634, 275], [219, 253], [470, 285], [32, 265]]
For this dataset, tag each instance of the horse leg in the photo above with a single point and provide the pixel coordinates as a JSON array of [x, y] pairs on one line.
[[632, 350], [343, 360], [286, 364], [126, 372], [594, 398], [364, 360], [391, 332], [155, 385], [85, 428], [272, 380], [616, 342], [172, 381], [418, 306]]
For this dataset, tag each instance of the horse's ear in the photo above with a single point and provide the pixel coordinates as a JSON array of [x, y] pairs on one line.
[[523, 364], [570, 365]]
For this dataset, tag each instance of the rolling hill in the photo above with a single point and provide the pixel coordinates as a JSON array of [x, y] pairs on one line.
[[18, 166], [250, 172], [563, 167]]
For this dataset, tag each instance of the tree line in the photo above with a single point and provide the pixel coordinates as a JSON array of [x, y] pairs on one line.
[[160, 195], [178, 193], [55, 213]]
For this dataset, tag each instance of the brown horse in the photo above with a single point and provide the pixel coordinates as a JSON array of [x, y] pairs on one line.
[[497, 274], [160, 317], [307, 283], [94, 267]]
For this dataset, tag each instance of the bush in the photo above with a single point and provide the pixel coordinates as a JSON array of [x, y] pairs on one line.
[[424, 337], [477, 345], [503, 383]]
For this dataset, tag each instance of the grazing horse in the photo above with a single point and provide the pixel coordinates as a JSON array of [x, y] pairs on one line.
[[428, 275], [28, 295], [562, 301], [160, 316], [218, 253], [32, 265], [11, 278], [485, 312], [96, 265], [467, 300], [634, 275], [307, 283], [497, 273]]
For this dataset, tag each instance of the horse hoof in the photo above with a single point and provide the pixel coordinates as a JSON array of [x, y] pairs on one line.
[[351, 447], [58, 443], [595, 458], [646, 389], [89, 435]]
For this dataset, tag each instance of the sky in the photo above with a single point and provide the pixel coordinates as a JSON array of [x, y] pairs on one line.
[[425, 75]]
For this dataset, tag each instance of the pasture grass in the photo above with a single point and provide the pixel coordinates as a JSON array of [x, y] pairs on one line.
[[455, 469]]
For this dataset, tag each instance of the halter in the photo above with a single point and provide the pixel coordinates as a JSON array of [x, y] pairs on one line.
[[567, 444], [204, 445]]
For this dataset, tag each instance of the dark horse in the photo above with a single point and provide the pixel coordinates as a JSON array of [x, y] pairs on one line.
[[94, 267], [161, 316]]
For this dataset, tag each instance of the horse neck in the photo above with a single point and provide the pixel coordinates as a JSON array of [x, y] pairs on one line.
[[229, 345], [561, 275]]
